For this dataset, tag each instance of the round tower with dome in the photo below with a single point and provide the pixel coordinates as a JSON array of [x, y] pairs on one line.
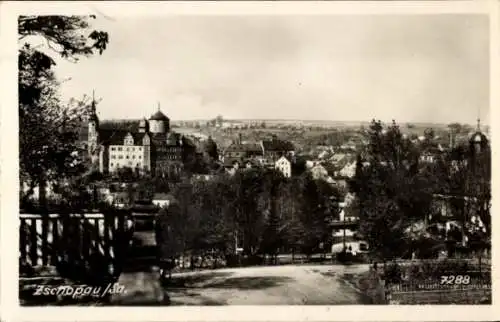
[[159, 122]]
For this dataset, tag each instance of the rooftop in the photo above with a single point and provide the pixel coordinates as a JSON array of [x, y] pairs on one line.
[[159, 116]]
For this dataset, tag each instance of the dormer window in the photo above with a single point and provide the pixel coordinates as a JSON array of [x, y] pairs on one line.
[[129, 139]]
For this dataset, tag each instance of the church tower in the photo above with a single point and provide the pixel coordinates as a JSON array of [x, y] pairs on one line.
[[478, 141], [93, 132]]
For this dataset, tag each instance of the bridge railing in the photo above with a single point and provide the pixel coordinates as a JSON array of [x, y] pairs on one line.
[[71, 239]]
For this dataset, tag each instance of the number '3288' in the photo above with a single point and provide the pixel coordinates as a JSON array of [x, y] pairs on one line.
[[455, 279]]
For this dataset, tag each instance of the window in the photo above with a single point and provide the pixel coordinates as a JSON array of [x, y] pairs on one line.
[[139, 157], [133, 156], [113, 149], [127, 156], [120, 157], [119, 148], [111, 164]]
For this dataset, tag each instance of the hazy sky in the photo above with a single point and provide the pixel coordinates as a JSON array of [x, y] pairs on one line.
[[411, 68]]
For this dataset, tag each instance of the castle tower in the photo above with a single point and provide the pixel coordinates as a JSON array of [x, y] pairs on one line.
[[159, 122]]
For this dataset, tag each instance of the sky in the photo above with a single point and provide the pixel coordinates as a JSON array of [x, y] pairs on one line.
[[411, 68]]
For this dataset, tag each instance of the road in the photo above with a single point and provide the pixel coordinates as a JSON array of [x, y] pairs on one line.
[[268, 285]]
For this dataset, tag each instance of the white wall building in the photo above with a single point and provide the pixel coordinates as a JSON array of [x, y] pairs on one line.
[[284, 165], [130, 154]]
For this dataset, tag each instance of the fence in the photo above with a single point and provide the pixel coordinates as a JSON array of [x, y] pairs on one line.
[[51, 239], [474, 290], [483, 263], [450, 296]]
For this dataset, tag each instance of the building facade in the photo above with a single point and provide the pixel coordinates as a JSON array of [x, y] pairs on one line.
[[284, 165], [153, 148], [264, 153]]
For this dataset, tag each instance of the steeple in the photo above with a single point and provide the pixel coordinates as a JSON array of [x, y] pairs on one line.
[[93, 129], [93, 109], [478, 124]]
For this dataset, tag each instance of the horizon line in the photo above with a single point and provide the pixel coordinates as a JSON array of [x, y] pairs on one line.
[[306, 120]]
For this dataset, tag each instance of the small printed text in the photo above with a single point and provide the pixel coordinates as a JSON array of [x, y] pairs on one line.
[[79, 291]]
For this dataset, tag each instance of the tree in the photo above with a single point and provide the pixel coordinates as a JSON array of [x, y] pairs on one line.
[[48, 128], [456, 128], [213, 235], [126, 174], [470, 184], [429, 134], [309, 224], [169, 233], [391, 194], [219, 119], [65, 34], [274, 227]]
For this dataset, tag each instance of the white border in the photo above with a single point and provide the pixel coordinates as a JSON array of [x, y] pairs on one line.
[[9, 162]]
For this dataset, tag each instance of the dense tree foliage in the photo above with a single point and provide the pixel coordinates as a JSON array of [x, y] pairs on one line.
[[256, 210], [395, 192], [49, 127]]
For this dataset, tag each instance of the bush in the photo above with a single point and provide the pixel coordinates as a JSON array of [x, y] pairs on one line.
[[393, 273]]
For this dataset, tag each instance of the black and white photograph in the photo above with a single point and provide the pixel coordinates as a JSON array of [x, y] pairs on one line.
[[254, 159]]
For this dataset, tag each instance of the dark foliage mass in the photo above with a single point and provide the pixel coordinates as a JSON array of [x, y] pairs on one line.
[[396, 191], [256, 210], [48, 127]]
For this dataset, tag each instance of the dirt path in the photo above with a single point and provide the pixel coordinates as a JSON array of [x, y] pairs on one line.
[[271, 285]]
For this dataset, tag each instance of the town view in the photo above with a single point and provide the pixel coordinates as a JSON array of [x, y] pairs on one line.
[[163, 204]]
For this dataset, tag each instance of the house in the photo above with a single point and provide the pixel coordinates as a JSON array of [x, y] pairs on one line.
[[239, 151], [202, 177], [162, 199], [430, 151], [338, 158], [310, 164], [348, 171], [355, 246], [284, 165], [119, 199], [331, 181], [319, 172], [323, 155], [346, 216], [275, 148]]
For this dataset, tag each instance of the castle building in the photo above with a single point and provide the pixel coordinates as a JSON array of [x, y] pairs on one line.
[[153, 148]]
